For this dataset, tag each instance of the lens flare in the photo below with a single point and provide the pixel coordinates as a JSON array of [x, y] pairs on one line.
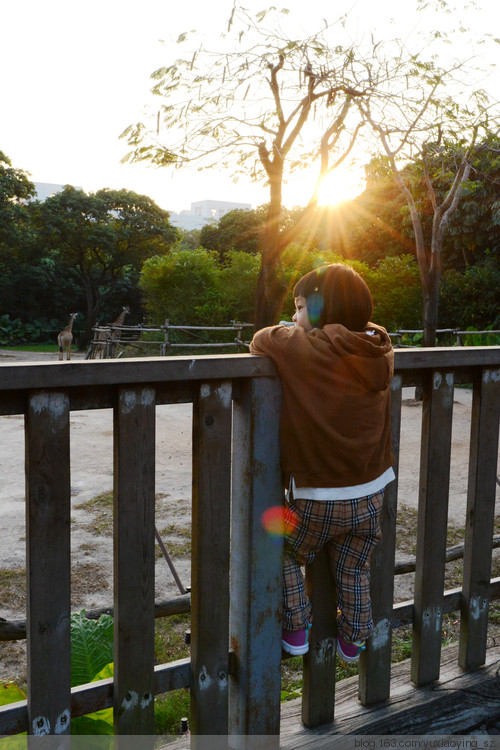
[[279, 521]]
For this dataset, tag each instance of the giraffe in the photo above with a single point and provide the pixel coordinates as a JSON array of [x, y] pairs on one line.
[[65, 337], [105, 338]]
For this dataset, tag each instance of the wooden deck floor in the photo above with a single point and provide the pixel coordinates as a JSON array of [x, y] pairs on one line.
[[459, 703]]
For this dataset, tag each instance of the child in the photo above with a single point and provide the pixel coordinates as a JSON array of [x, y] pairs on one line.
[[336, 370]]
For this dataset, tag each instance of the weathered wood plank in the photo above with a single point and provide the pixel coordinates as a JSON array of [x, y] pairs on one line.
[[147, 370], [257, 559], [318, 691], [210, 559], [375, 661], [94, 696], [134, 556], [437, 413], [75, 374], [479, 519], [48, 494], [457, 704]]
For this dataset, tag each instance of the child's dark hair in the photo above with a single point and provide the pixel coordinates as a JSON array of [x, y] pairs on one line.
[[336, 294]]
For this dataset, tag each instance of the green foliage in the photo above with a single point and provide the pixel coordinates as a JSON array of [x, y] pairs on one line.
[[14, 332], [237, 284], [169, 709], [15, 190], [240, 230], [396, 291], [91, 646], [191, 287], [471, 298], [10, 693], [488, 339], [182, 287], [102, 238]]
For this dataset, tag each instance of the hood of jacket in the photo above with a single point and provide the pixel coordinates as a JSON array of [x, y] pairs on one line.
[[367, 354]]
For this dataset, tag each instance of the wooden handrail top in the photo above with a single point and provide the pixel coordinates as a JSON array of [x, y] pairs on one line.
[[29, 375]]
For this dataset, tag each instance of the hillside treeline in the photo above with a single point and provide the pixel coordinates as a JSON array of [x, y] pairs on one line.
[[94, 253]]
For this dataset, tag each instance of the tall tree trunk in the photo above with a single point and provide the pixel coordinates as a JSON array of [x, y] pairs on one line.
[[430, 313], [271, 284]]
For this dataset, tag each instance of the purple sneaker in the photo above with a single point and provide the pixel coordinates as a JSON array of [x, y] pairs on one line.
[[349, 651], [295, 642]]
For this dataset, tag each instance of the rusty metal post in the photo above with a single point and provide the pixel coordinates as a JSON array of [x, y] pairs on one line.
[[256, 569]]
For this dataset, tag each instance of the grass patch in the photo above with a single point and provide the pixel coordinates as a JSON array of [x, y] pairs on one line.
[[169, 638], [170, 646], [101, 509], [175, 530], [169, 710], [175, 549]]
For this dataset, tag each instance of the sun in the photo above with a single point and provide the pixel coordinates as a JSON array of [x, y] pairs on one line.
[[343, 184]]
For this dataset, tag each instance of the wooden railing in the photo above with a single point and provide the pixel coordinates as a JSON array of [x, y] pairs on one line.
[[234, 670]]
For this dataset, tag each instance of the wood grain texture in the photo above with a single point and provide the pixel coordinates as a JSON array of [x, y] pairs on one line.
[[479, 519], [134, 558], [437, 412], [210, 558], [48, 495]]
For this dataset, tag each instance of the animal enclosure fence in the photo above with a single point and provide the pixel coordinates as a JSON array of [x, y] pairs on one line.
[[110, 341], [234, 670]]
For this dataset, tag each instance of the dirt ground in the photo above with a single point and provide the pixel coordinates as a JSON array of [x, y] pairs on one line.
[[92, 477]]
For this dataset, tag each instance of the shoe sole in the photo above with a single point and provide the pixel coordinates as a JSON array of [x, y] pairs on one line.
[[344, 657], [294, 650]]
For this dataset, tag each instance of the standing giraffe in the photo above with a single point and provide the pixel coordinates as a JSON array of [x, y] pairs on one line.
[[65, 338], [105, 338]]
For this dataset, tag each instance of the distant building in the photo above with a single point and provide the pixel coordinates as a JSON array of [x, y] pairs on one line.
[[46, 190], [204, 212]]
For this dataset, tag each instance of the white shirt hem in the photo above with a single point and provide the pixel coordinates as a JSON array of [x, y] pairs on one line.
[[343, 493]]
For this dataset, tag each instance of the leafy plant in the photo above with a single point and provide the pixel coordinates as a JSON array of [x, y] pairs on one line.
[[489, 339], [91, 646]]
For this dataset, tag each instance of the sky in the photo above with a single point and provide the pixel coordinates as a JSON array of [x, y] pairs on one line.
[[75, 75]]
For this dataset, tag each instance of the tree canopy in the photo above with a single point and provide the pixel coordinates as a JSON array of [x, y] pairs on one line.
[[268, 104], [103, 236], [15, 190]]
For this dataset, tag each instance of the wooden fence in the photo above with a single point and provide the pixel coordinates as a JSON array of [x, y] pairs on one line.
[[234, 670], [110, 341]]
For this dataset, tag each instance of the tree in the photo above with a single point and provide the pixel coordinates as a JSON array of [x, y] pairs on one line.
[[269, 104], [102, 237], [15, 191], [430, 139], [473, 235], [250, 109], [239, 230]]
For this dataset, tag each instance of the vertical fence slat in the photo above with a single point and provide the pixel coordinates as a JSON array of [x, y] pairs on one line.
[[48, 495], [134, 558], [437, 414], [318, 692], [256, 572], [210, 560], [480, 519], [375, 662]]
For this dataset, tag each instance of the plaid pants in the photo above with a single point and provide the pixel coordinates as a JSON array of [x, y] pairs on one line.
[[350, 530]]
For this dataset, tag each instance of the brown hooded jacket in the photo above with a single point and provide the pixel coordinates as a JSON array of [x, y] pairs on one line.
[[335, 420]]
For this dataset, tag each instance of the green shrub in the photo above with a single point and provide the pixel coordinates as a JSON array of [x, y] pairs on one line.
[[471, 298]]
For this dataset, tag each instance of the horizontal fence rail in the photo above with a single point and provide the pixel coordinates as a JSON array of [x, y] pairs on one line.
[[110, 340], [234, 670]]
